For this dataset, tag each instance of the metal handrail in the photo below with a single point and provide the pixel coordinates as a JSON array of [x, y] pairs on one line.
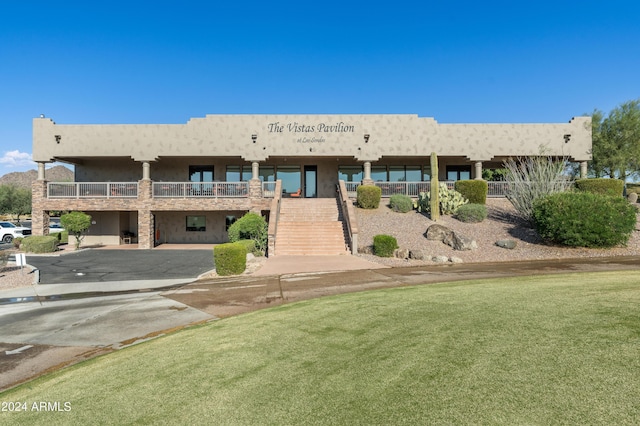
[[200, 189], [92, 189]]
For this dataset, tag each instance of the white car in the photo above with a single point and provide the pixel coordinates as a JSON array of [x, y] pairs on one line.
[[9, 231], [55, 227]]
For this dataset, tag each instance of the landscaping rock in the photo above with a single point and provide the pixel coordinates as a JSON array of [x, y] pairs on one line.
[[460, 242], [454, 259], [508, 244], [440, 259], [365, 249], [401, 253], [418, 254], [437, 232]]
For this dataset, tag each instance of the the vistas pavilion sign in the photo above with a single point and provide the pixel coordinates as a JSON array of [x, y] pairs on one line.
[[302, 128], [296, 127]]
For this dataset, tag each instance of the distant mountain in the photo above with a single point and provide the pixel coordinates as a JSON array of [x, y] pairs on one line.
[[25, 179]]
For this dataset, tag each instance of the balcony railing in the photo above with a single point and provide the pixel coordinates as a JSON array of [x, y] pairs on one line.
[[92, 189], [413, 189], [200, 189], [268, 189]]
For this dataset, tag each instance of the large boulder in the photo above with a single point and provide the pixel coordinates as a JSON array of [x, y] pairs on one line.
[[418, 254], [437, 232], [460, 242], [401, 253]]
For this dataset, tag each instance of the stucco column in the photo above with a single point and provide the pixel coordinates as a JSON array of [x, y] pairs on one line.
[[478, 170], [146, 170], [41, 171], [583, 169], [255, 170], [366, 180]]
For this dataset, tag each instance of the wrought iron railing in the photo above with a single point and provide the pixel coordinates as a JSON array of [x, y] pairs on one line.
[[268, 189], [413, 189], [92, 189], [200, 189]]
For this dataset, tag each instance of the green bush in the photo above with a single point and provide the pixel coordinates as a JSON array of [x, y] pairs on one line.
[[39, 244], [613, 187], [230, 258], [384, 245], [250, 246], [583, 219], [368, 196], [471, 213], [251, 226], [450, 200], [475, 191], [400, 203]]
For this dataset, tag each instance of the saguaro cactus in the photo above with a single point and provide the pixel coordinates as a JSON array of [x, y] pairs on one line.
[[435, 189]]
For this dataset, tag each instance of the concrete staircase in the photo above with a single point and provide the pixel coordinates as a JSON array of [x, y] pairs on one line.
[[310, 226]]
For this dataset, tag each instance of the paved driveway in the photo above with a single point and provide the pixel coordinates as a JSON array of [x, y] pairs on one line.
[[121, 265]]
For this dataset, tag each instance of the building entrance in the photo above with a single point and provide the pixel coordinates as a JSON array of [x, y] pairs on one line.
[[310, 181]]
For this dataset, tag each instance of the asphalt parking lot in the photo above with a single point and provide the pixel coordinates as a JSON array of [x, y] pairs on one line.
[[121, 265]]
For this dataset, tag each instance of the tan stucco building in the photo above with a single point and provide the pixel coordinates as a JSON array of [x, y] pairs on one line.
[[184, 183]]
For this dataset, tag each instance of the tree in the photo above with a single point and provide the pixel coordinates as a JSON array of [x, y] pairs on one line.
[[15, 201], [251, 226], [616, 142], [76, 223]]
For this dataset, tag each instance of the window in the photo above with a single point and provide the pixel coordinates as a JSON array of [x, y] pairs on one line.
[[350, 173], [267, 174], [201, 173], [396, 174], [458, 172], [229, 220], [400, 174], [196, 224], [413, 174], [290, 176], [379, 173], [426, 173], [238, 174]]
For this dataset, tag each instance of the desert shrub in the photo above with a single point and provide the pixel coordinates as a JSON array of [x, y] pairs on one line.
[[230, 258], [584, 219], [471, 213], [4, 257], [384, 245], [450, 200], [63, 237], [475, 191], [251, 226], [368, 196], [250, 246], [39, 244], [532, 178], [613, 187], [400, 203], [17, 241]]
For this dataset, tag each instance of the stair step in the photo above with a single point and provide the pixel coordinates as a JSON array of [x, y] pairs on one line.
[[310, 226]]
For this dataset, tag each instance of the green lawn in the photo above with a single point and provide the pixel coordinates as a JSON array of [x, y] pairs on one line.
[[559, 349]]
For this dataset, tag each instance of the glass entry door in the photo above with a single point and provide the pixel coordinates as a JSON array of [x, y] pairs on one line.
[[310, 181]]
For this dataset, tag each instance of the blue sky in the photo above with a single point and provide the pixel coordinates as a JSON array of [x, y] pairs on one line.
[[82, 62]]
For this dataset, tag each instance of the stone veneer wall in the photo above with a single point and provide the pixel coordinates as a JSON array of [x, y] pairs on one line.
[[144, 204]]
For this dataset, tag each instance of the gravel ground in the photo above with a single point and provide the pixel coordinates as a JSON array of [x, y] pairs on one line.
[[409, 228], [501, 223]]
